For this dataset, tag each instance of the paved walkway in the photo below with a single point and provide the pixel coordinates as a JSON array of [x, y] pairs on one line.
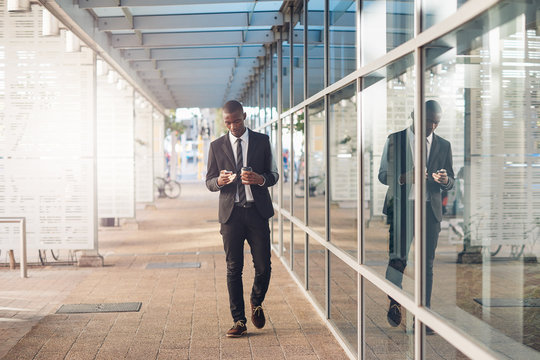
[[184, 312]]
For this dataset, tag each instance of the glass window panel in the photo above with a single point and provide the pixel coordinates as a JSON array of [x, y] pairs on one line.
[[261, 98], [341, 38], [275, 229], [274, 190], [275, 73], [316, 272], [438, 348], [383, 341], [385, 25], [299, 243], [285, 62], [344, 301], [298, 165], [343, 169], [388, 102], [285, 158], [434, 11], [287, 240], [316, 167], [485, 77], [315, 51], [298, 59], [268, 88]]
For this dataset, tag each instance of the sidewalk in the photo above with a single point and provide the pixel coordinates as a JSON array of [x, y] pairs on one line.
[[185, 311]]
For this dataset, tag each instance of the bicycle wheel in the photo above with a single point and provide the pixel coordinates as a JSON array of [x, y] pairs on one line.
[[172, 189], [55, 254], [43, 257]]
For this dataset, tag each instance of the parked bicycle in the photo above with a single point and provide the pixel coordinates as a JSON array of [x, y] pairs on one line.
[[166, 187]]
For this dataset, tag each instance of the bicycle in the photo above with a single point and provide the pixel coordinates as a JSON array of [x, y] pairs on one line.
[[167, 188]]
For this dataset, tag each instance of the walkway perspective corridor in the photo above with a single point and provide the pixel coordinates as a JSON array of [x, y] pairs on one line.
[[184, 312]]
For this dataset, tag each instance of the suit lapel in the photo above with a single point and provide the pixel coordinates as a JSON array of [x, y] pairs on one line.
[[251, 146], [227, 149], [433, 151]]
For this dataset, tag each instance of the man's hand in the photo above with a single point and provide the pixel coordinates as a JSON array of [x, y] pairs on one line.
[[225, 177], [251, 178], [440, 177]]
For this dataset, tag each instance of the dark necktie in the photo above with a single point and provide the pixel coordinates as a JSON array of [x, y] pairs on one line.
[[239, 164]]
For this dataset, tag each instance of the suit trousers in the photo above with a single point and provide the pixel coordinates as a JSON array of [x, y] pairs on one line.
[[246, 224], [401, 233]]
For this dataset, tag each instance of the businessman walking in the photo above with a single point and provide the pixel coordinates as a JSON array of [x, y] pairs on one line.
[[244, 209]]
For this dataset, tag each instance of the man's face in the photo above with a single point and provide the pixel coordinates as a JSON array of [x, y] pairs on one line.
[[235, 122], [432, 121]]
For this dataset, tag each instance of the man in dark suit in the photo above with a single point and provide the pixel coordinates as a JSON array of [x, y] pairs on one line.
[[397, 171], [244, 209]]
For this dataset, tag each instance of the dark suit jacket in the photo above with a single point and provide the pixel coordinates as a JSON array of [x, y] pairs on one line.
[[259, 157], [400, 160]]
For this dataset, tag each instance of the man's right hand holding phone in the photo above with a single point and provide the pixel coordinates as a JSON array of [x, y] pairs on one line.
[[225, 177]]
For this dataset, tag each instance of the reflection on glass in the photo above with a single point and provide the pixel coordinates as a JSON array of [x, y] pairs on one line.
[[315, 50], [316, 274], [285, 71], [299, 242], [316, 168], [274, 225], [275, 73], [383, 341], [486, 275], [261, 98], [434, 11], [388, 102], [344, 301], [285, 178], [298, 164], [343, 169], [437, 348], [385, 26], [298, 60], [287, 240], [274, 190], [342, 38], [268, 87]]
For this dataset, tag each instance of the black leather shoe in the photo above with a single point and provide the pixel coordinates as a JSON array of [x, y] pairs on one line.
[[237, 330], [257, 316], [394, 314]]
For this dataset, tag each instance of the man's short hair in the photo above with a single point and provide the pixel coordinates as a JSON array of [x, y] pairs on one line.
[[432, 105], [233, 106]]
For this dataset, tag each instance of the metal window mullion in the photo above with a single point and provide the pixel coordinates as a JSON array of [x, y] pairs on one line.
[[326, 22], [360, 217], [279, 51], [291, 57], [305, 49], [306, 188], [291, 184], [327, 198], [419, 188]]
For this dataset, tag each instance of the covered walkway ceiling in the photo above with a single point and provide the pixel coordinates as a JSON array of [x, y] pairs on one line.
[[185, 53]]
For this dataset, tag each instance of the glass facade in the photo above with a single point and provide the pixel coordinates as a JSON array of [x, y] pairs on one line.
[[408, 197]]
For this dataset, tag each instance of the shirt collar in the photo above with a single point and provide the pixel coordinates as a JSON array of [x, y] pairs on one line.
[[429, 139], [244, 137]]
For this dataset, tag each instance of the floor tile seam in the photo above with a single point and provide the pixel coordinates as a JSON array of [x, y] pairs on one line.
[[217, 305], [299, 323], [80, 332], [192, 319], [168, 313]]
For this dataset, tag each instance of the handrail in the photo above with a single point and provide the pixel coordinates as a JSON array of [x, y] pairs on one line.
[[22, 222]]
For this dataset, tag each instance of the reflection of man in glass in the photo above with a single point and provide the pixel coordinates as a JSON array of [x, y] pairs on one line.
[[397, 171]]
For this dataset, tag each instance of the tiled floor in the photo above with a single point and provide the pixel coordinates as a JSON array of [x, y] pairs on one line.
[[184, 312]]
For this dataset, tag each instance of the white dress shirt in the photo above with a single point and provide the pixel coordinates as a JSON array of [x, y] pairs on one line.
[[245, 144]]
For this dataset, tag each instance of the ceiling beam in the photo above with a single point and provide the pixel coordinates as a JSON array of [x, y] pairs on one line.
[[193, 39], [88, 4], [191, 22], [222, 52]]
